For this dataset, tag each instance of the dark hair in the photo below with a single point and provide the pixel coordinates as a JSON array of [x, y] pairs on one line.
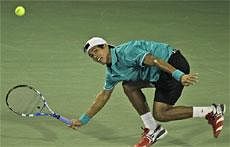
[[87, 45], [111, 46], [100, 45]]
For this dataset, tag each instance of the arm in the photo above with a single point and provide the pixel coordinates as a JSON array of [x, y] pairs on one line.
[[150, 60], [101, 99], [185, 79]]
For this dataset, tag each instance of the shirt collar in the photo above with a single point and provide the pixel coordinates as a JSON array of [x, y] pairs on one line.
[[113, 55]]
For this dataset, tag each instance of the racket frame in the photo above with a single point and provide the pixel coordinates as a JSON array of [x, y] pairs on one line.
[[51, 114]]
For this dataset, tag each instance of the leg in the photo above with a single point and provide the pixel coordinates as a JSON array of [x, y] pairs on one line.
[[138, 100], [135, 95], [165, 112], [214, 114], [168, 91], [152, 131]]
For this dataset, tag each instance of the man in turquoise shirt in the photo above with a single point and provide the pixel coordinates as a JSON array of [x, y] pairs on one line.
[[140, 64], [127, 62]]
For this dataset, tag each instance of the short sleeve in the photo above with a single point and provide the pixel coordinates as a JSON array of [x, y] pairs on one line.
[[135, 53], [109, 82]]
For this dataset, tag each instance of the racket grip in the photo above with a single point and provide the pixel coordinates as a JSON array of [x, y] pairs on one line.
[[65, 120]]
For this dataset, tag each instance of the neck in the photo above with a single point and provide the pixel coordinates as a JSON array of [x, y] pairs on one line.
[[109, 58]]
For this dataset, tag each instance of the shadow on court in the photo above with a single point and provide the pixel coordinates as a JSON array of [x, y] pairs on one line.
[[39, 126], [108, 134]]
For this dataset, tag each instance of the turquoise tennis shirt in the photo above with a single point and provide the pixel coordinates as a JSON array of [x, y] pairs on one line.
[[127, 62]]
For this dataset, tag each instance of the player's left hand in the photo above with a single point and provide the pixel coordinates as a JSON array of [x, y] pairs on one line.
[[189, 79]]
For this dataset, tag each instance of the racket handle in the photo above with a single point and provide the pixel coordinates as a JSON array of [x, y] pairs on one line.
[[65, 120]]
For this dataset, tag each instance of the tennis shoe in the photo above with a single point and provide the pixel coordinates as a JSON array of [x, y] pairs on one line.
[[148, 139], [216, 118]]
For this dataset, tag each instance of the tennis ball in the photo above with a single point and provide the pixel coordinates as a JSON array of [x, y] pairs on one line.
[[20, 11]]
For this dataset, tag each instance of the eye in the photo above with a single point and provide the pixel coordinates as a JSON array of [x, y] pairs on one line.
[[90, 55], [95, 51]]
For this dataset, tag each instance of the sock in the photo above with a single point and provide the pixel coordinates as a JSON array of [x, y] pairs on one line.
[[201, 111], [149, 121]]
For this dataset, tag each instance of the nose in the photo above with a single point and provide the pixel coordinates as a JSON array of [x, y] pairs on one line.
[[95, 56]]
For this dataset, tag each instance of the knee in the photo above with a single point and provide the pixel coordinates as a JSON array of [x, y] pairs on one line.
[[127, 87], [160, 116]]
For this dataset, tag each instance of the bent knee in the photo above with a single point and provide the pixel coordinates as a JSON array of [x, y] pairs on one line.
[[135, 85], [160, 116], [128, 86]]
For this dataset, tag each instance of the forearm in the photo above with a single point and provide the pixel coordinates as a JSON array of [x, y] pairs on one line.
[[152, 61], [164, 66], [98, 104]]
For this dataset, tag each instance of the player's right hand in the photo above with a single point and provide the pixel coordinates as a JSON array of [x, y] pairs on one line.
[[76, 123]]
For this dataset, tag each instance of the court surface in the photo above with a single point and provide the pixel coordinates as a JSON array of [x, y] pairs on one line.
[[43, 49]]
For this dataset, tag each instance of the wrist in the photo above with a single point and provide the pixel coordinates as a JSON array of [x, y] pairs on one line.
[[177, 74], [84, 119]]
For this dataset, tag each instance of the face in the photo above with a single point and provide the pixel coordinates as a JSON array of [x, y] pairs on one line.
[[100, 55]]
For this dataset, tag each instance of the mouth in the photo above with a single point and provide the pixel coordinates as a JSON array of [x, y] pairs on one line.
[[99, 59]]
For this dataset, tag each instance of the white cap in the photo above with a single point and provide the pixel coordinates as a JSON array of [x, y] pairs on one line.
[[93, 42]]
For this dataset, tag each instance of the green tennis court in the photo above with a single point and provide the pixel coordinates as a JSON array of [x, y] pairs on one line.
[[43, 49]]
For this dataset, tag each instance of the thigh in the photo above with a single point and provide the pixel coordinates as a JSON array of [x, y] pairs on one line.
[[137, 84], [168, 90], [178, 61]]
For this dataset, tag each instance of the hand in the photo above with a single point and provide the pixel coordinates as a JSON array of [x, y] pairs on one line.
[[76, 124], [189, 79]]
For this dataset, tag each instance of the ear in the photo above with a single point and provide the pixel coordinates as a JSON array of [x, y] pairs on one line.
[[105, 46]]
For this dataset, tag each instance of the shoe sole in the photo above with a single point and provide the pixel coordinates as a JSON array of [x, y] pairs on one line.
[[161, 135], [223, 107]]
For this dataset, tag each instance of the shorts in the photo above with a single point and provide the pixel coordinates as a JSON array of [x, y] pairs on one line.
[[168, 90]]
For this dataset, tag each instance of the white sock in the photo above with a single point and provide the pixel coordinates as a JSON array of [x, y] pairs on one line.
[[149, 121], [201, 111]]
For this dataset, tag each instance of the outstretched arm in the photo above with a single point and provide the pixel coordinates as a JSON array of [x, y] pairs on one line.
[[185, 79], [101, 99]]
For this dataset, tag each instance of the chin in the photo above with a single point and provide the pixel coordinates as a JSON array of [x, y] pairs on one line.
[[104, 62]]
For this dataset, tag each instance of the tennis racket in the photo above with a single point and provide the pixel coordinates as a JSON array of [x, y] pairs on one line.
[[26, 101]]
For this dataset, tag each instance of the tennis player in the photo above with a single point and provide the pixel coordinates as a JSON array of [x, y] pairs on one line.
[[140, 64]]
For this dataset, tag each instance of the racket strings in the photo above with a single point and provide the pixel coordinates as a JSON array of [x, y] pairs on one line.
[[25, 101]]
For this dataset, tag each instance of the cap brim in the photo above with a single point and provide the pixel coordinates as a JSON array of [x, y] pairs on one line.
[[84, 48]]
